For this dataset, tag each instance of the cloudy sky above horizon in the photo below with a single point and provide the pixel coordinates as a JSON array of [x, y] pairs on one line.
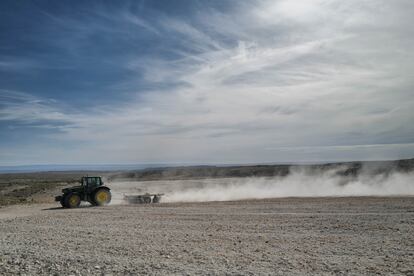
[[206, 81]]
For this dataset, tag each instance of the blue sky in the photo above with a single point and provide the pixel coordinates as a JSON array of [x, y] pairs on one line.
[[97, 82]]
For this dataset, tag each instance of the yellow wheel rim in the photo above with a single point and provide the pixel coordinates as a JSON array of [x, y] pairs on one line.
[[74, 200], [102, 197]]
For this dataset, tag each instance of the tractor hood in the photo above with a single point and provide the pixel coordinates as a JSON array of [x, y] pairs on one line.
[[74, 188]]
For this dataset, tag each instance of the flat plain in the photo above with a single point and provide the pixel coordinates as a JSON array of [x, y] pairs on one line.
[[285, 236]]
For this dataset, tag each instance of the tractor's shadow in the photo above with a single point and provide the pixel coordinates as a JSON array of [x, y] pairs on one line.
[[61, 208]]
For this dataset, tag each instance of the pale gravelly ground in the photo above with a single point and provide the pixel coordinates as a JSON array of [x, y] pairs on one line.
[[295, 236]]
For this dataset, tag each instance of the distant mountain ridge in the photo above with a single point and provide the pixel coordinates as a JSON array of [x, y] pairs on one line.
[[348, 169], [54, 168], [176, 171]]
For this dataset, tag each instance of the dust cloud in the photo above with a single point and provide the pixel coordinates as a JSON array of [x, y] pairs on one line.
[[299, 183]]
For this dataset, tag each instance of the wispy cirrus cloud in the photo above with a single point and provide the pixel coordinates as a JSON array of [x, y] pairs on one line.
[[23, 107]]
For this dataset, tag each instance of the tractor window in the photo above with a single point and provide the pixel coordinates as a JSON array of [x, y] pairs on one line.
[[91, 181], [98, 181]]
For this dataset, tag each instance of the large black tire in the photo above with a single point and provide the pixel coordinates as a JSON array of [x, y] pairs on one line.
[[101, 197], [71, 200], [62, 201]]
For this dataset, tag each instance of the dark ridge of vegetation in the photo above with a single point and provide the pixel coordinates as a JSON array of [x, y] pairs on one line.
[[350, 169], [22, 194], [178, 173]]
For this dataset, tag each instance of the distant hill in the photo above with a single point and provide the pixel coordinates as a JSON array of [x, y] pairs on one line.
[[351, 169], [65, 168]]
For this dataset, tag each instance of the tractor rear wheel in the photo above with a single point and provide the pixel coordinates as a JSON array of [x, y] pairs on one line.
[[72, 200], [102, 197]]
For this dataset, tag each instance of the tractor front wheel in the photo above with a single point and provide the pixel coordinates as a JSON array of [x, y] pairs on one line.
[[102, 197], [72, 200], [62, 201]]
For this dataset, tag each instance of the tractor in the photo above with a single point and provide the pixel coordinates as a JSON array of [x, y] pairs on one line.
[[91, 189]]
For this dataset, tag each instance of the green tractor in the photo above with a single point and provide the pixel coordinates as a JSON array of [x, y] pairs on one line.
[[92, 189]]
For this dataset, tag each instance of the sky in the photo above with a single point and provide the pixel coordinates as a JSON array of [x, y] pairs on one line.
[[205, 82]]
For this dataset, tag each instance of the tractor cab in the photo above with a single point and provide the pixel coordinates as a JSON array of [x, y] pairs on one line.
[[91, 182]]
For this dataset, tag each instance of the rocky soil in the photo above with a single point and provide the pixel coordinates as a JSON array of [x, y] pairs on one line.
[[294, 236]]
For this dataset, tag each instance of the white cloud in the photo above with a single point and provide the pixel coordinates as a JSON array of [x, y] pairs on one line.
[[291, 76], [23, 107]]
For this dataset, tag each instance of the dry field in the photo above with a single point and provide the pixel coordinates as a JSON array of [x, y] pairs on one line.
[[291, 236]]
